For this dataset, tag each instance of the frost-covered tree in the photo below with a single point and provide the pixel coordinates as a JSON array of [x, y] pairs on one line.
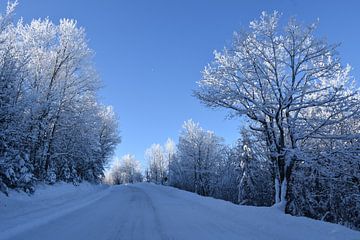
[[159, 160], [169, 154], [327, 187], [198, 153], [255, 170], [15, 170], [279, 78], [243, 173], [61, 79], [225, 182], [158, 163]]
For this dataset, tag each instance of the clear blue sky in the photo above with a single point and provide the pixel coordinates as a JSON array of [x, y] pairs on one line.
[[149, 54]]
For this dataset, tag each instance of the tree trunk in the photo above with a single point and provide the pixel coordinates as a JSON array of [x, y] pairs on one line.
[[281, 180]]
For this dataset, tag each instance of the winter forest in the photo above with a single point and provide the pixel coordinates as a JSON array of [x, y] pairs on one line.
[[52, 126], [297, 104]]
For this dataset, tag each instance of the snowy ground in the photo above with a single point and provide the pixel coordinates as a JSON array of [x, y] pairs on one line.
[[147, 211]]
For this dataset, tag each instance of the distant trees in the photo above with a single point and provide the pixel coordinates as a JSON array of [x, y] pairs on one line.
[[52, 126], [125, 170], [302, 105], [159, 159], [157, 165]]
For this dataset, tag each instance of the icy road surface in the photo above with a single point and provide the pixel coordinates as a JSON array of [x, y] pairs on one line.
[[151, 212]]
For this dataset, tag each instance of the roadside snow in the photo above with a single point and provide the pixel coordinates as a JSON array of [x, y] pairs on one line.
[[189, 216], [20, 211], [150, 212]]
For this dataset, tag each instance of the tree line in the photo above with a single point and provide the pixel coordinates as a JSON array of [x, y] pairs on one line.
[[202, 163], [52, 127]]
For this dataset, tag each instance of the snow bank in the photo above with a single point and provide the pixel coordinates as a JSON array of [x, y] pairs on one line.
[[20, 211], [224, 220]]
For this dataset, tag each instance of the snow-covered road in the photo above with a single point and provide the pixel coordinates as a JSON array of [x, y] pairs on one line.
[[148, 211]]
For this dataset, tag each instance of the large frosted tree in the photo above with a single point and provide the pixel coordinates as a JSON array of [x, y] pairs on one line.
[[288, 82], [199, 153]]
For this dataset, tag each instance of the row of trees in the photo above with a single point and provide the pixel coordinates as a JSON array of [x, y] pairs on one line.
[[52, 126], [203, 164], [301, 147]]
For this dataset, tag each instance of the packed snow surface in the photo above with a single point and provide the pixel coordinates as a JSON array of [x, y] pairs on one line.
[[148, 211]]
